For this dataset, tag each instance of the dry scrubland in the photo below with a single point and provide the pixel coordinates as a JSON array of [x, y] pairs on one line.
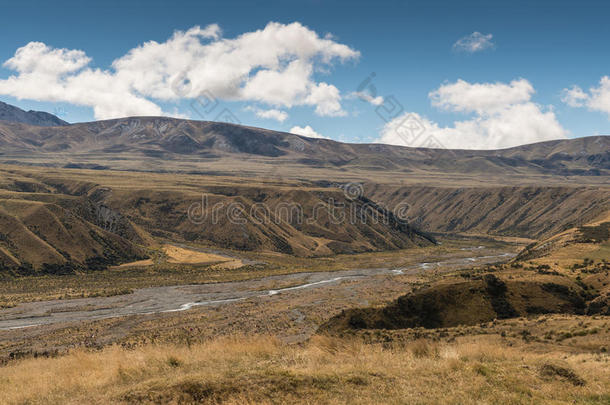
[[131, 237], [238, 370]]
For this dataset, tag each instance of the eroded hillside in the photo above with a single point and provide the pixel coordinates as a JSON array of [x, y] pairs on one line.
[[528, 211], [65, 216]]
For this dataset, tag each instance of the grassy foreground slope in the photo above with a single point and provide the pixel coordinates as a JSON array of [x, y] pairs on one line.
[[486, 368]]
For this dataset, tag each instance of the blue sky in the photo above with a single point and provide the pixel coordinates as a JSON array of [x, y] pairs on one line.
[[543, 50]]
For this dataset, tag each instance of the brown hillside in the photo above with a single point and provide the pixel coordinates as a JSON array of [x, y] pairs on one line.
[[167, 144], [531, 212], [453, 303], [38, 236], [239, 214]]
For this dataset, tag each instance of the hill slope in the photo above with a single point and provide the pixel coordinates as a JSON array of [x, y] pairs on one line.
[[44, 237], [453, 302], [62, 215], [13, 114], [524, 211], [191, 145]]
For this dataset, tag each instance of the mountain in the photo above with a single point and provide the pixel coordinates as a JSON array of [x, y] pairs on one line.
[[39, 118], [530, 191], [531, 211], [222, 148]]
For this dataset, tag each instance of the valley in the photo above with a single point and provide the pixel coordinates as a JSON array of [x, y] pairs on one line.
[[119, 239], [158, 300], [304, 202]]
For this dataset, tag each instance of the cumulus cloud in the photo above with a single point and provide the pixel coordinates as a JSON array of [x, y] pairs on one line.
[[306, 131], [37, 58], [597, 99], [481, 98], [274, 65], [574, 97], [272, 114], [474, 42], [364, 96], [503, 116], [326, 99]]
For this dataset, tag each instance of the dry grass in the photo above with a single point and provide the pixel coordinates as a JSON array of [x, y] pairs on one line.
[[139, 263], [326, 370], [178, 255]]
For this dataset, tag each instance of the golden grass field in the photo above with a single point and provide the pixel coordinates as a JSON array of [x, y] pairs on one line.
[[482, 369]]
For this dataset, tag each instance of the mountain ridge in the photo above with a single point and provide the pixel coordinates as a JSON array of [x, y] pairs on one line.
[[11, 113], [171, 139]]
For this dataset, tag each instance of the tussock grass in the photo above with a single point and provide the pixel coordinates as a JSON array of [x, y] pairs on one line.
[[243, 370]]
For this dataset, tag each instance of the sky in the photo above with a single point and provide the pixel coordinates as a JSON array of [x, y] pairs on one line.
[[456, 74]]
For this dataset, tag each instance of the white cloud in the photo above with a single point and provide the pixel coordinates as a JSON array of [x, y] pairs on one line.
[[474, 42], [37, 58], [504, 116], [597, 99], [272, 114], [306, 131], [364, 96], [600, 96], [326, 98], [481, 98], [274, 65], [574, 97]]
